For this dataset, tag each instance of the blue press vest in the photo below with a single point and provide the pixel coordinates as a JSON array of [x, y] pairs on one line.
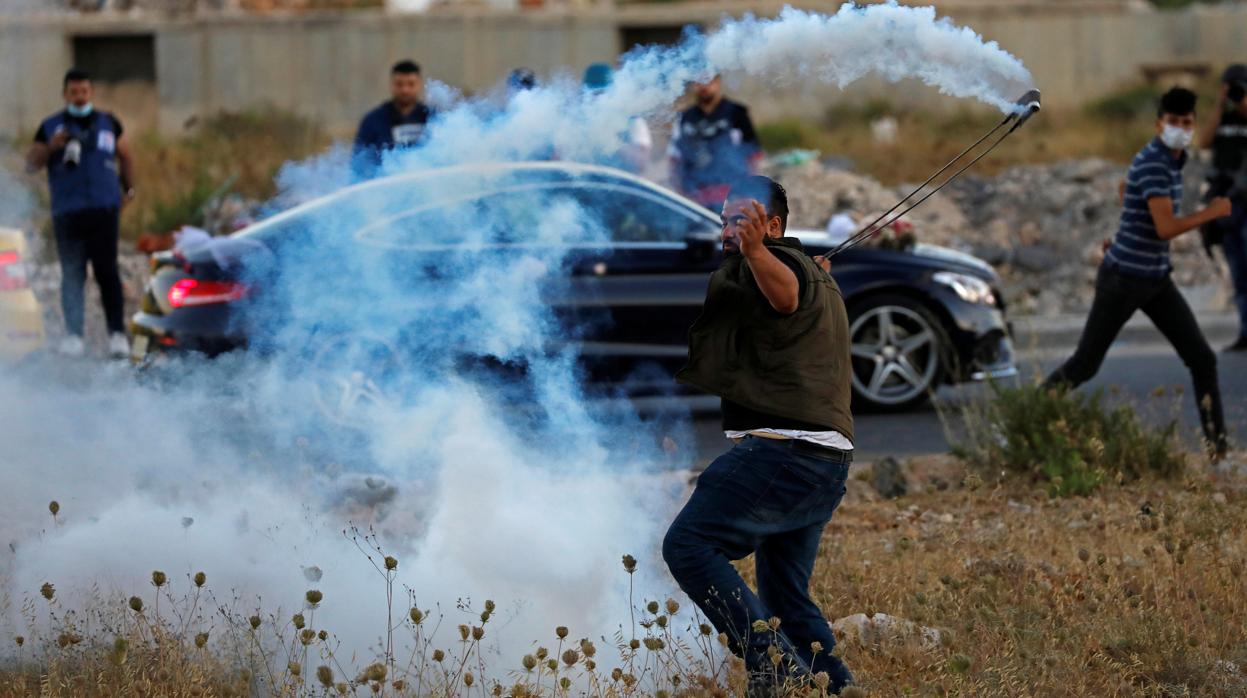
[[94, 183]]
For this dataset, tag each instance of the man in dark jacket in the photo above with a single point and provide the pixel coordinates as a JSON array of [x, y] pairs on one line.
[[773, 342], [712, 145], [400, 122], [1226, 135], [90, 175]]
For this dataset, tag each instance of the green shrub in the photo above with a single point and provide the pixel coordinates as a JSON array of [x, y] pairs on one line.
[[1068, 441], [1131, 103], [785, 134]]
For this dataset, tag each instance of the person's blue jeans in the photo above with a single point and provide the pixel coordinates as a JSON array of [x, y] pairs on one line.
[[1234, 241], [772, 498]]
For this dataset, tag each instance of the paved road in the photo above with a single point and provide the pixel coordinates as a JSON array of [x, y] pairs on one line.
[[1137, 365]]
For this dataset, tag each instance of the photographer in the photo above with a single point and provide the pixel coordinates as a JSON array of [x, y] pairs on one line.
[[1226, 135], [89, 173]]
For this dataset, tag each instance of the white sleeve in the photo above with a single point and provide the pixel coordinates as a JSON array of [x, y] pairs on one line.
[[638, 134]]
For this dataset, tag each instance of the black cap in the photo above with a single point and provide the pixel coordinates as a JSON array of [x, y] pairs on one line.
[[1235, 74]]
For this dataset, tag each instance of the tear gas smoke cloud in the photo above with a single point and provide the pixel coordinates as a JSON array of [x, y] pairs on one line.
[[491, 485]]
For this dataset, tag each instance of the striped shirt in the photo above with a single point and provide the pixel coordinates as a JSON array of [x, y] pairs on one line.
[[1137, 249]]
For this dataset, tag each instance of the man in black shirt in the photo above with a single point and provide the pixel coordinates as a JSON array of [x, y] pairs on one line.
[[1226, 134], [712, 145], [399, 122]]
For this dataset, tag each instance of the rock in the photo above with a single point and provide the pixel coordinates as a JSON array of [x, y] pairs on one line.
[[881, 628], [888, 479]]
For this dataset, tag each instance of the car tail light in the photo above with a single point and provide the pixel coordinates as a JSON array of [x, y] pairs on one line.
[[12, 273], [191, 292]]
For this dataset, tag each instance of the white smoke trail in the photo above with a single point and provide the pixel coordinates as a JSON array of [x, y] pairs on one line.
[[533, 506]]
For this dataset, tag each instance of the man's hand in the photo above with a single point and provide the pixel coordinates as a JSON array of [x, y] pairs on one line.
[[1219, 207], [824, 262], [751, 231], [58, 140]]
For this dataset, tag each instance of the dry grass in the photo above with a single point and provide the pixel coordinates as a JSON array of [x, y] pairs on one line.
[[1138, 591]]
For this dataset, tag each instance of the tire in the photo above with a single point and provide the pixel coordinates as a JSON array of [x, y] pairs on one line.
[[898, 355]]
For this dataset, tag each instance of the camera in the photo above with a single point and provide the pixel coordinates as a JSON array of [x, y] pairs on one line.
[[73, 153]]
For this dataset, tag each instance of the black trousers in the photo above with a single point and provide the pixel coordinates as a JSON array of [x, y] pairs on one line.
[[1117, 297], [89, 236]]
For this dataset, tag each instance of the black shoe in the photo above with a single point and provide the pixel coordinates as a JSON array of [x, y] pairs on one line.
[[1239, 344]]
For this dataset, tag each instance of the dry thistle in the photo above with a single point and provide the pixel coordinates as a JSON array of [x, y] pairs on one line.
[[565, 683], [323, 635], [136, 604], [121, 648], [438, 655], [307, 636], [417, 616], [529, 662], [391, 563], [760, 626], [477, 633], [1084, 554], [705, 629], [295, 668], [634, 643], [561, 632], [816, 647], [341, 688], [324, 675], [587, 648], [200, 579], [201, 639], [673, 607], [159, 579], [464, 632], [468, 679], [652, 607], [616, 674], [298, 621], [629, 564], [253, 620], [47, 590], [654, 644], [552, 664], [19, 640], [314, 597], [375, 672], [570, 657], [399, 685], [822, 680], [54, 507], [542, 653], [661, 621], [490, 606]]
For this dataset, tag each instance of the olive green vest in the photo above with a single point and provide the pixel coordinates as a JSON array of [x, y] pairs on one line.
[[794, 366]]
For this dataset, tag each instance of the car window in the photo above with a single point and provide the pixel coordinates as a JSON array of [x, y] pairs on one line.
[[572, 212], [633, 215]]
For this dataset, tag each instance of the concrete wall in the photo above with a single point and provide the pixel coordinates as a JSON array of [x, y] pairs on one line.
[[333, 66]]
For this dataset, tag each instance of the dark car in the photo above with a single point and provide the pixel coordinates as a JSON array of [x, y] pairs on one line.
[[346, 280]]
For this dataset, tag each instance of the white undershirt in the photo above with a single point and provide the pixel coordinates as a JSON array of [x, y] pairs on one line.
[[830, 439]]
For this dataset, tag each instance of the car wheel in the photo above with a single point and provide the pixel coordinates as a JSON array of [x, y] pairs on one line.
[[353, 375], [897, 347]]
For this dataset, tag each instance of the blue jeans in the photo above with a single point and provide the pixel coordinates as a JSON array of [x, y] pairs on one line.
[[1234, 242], [771, 498]]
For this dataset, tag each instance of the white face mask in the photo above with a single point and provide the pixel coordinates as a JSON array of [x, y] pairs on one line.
[[1176, 137]]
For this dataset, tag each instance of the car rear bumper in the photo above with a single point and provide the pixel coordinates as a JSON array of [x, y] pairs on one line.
[[155, 334]]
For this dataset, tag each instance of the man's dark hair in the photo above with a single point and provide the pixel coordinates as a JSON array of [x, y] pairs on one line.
[[765, 191], [405, 67], [1178, 101], [75, 75]]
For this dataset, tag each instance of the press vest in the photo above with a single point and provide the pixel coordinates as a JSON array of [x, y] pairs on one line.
[[795, 366], [94, 183]]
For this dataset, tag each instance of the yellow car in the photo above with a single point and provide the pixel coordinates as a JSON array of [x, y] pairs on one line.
[[21, 321]]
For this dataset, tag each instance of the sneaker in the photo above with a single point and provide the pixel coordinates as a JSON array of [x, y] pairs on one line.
[[1239, 344], [118, 345], [72, 346]]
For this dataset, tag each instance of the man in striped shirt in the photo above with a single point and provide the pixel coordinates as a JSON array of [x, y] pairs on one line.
[[1135, 272]]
